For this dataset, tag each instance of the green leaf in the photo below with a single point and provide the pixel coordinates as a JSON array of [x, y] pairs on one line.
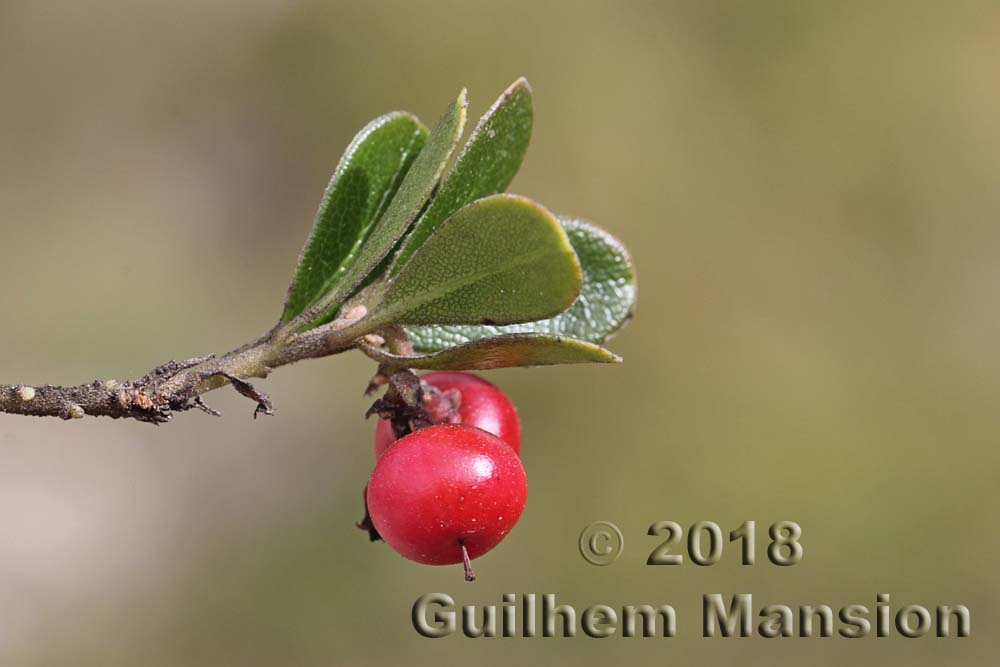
[[502, 352], [364, 178], [500, 260], [417, 185], [606, 301], [486, 166]]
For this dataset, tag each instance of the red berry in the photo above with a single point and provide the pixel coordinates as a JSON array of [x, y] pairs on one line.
[[443, 488], [462, 398]]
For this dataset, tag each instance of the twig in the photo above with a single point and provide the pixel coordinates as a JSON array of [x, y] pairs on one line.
[[177, 385]]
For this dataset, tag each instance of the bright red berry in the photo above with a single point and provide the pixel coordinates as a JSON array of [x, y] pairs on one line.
[[462, 398], [444, 490]]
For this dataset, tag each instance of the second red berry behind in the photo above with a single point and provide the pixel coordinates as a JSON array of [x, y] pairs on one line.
[[479, 403]]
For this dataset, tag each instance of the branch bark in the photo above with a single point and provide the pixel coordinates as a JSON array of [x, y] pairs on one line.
[[177, 386]]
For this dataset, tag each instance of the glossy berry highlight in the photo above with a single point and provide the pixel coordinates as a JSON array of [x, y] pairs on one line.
[[446, 491]]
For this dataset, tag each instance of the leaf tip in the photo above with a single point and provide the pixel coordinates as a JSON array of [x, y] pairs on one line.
[[596, 353], [521, 83], [412, 118]]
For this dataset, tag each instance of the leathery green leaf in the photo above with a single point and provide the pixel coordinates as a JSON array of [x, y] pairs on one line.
[[606, 301], [500, 260], [504, 351], [362, 181], [409, 199], [488, 163]]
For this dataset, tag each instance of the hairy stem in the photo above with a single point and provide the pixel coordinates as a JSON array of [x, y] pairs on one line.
[[178, 385]]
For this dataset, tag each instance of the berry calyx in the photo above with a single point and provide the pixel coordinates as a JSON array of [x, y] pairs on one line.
[[446, 494], [461, 398]]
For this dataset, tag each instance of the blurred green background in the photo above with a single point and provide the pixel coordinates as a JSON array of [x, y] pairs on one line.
[[809, 191]]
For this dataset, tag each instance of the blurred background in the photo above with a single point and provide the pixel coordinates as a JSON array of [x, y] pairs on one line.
[[809, 191]]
